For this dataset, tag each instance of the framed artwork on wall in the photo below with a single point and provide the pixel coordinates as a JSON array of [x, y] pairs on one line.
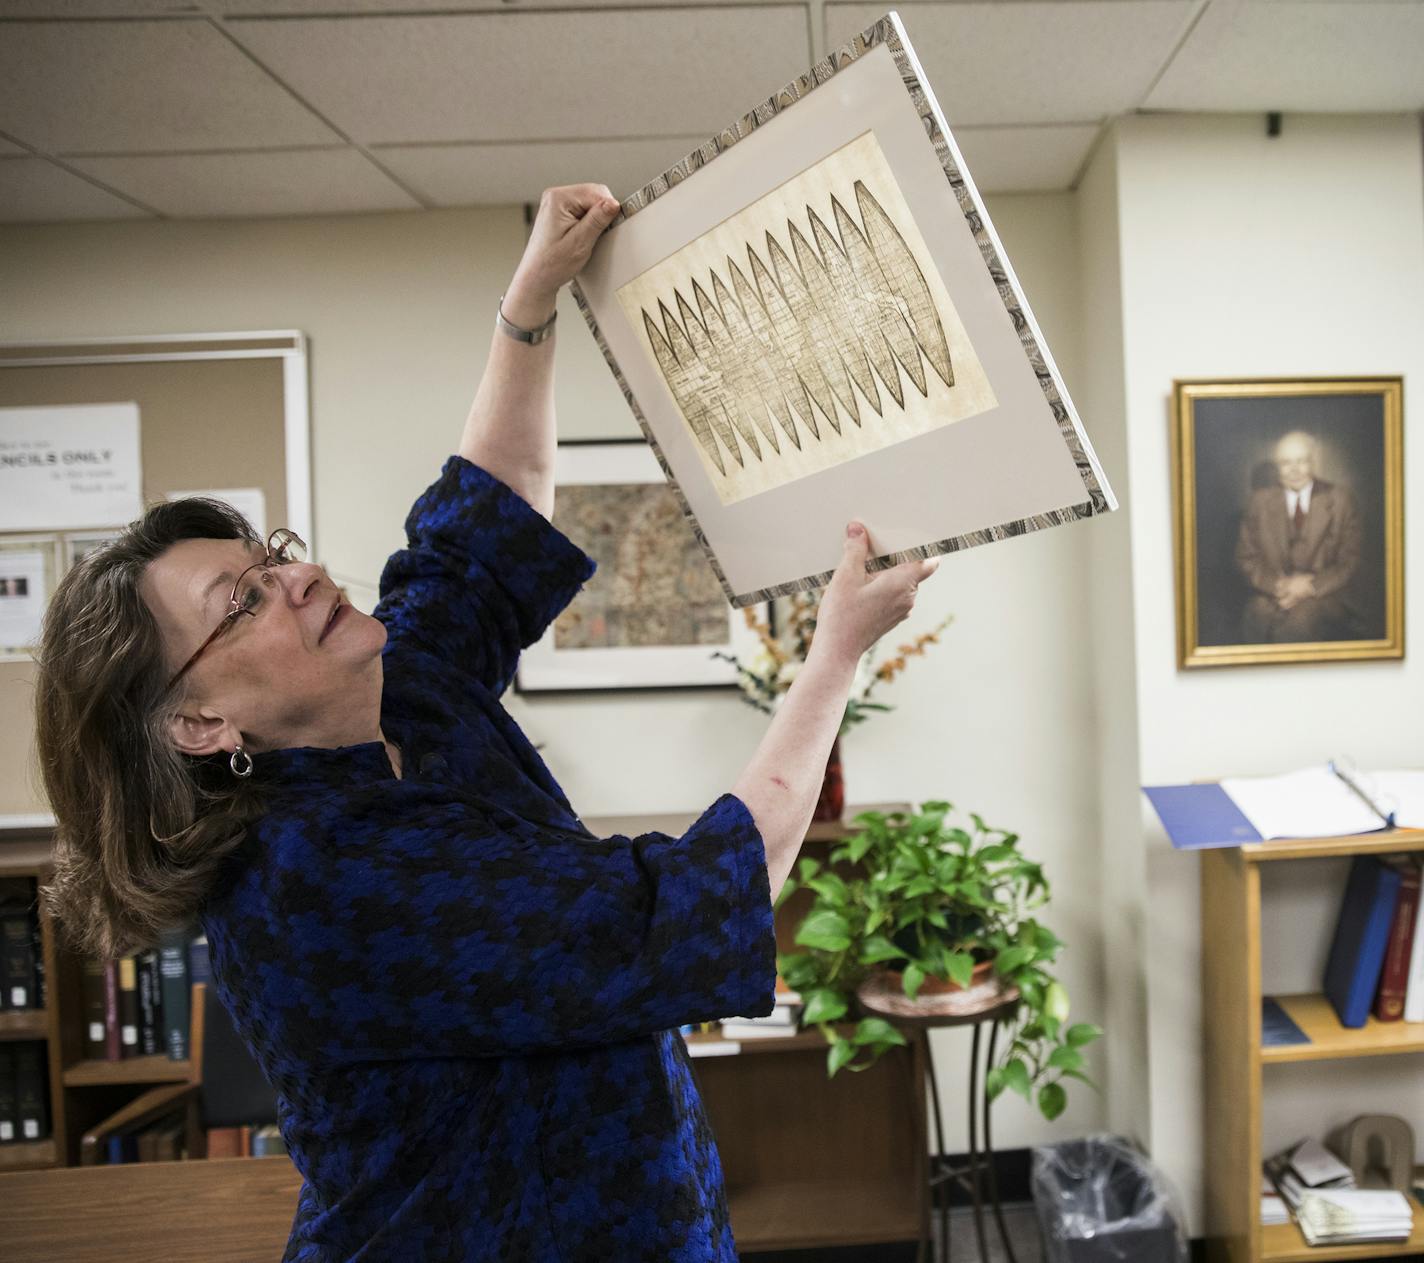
[[813, 320], [654, 614], [1290, 520], [29, 571]]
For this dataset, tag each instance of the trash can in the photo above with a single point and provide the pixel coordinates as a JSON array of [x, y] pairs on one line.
[[1101, 1201]]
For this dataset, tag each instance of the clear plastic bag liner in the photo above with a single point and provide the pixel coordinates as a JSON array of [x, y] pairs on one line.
[[1100, 1200]]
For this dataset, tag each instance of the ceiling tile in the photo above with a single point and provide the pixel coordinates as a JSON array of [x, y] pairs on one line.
[[33, 190], [296, 182], [1038, 62], [1358, 55], [501, 174], [102, 87], [1025, 159], [528, 76]]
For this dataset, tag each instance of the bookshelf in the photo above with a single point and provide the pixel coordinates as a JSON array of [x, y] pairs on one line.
[[809, 1162], [1235, 1060], [26, 853]]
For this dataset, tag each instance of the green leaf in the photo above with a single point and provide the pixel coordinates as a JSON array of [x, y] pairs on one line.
[[878, 948], [823, 1005], [1082, 1033], [859, 845], [1082, 1078], [1047, 940], [841, 1052], [1052, 1100], [875, 1030], [914, 979], [830, 887], [1010, 959], [995, 854], [1066, 1059], [994, 1083], [1055, 1002], [960, 966], [826, 929], [875, 920], [1016, 1077], [808, 868], [920, 886]]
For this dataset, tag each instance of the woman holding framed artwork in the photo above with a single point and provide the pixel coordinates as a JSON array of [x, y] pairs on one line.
[[464, 1000]]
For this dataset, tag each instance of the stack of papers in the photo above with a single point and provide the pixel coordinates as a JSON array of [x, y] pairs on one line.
[[1353, 1214], [1319, 1191]]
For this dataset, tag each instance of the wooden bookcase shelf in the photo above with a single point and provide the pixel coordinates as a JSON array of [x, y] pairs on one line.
[[1235, 1059], [88, 1074], [25, 1024], [28, 1155], [1328, 1039]]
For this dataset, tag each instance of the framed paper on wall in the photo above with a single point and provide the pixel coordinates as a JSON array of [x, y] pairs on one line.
[[1290, 520], [653, 615], [29, 571], [812, 319]]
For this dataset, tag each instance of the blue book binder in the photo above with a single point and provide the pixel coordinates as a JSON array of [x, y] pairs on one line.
[[1200, 816], [1361, 935]]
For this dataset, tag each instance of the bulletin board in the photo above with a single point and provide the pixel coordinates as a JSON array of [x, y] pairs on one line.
[[216, 411]]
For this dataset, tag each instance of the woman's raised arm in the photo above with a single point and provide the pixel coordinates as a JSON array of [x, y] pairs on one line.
[[510, 431]]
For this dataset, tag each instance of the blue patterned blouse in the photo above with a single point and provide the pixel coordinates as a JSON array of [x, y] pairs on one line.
[[465, 1000]]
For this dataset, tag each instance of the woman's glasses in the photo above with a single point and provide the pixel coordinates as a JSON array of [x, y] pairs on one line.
[[255, 587]]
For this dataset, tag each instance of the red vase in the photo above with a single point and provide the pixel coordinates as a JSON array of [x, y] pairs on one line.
[[831, 804]]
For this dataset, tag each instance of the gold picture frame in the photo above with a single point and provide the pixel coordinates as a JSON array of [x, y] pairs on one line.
[[1259, 579]]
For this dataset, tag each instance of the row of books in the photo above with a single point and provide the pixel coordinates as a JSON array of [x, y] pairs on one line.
[[24, 1093], [1376, 962], [1311, 1185], [138, 1006], [22, 983], [166, 1141]]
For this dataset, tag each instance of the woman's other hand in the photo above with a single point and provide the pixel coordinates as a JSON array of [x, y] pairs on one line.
[[858, 608], [567, 227]]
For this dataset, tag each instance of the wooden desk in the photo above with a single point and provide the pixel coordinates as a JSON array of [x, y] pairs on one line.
[[232, 1210]]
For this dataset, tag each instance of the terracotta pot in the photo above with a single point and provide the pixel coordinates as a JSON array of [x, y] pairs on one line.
[[831, 804], [940, 986]]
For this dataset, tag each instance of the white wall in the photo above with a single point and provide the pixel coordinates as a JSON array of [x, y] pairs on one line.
[[1246, 256], [399, 308]]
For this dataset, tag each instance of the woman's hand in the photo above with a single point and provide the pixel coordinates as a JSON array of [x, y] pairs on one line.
[[858, 608], [568, 225]]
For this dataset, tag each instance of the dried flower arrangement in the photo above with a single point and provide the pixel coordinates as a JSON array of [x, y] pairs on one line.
[[765, 678]]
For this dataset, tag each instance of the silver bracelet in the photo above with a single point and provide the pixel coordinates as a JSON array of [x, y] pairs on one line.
[[531, 336]]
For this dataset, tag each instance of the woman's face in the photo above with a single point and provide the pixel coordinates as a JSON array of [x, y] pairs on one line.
[[305, 670]]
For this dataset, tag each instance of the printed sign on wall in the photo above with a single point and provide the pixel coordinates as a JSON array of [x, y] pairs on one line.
[[70, 467]]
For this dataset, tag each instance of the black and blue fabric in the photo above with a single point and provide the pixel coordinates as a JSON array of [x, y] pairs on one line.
[[466, 1002]]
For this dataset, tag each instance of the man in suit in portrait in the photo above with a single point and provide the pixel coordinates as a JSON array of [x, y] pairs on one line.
[[1299, 548]]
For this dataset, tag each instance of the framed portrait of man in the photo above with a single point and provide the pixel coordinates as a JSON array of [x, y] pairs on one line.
[[1290, 520]]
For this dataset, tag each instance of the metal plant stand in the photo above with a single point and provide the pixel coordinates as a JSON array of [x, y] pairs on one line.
[[987, 1003]]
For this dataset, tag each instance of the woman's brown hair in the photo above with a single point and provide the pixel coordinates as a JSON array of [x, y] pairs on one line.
[[142, 829]]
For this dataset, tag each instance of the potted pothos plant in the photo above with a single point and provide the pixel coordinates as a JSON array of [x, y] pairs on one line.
[[938, 904]]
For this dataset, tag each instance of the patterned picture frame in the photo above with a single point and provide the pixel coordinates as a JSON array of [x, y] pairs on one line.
[[1018, 463], [652, 617]]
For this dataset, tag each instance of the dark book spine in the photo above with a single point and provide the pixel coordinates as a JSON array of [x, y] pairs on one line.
[[128, 1006], [91, 995], [17, 943], [30, 1091], [1394, 977], [173, 977], [113, 1037], [9, 1106], [150, 1017]]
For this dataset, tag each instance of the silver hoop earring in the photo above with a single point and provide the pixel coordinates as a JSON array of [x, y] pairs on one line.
[[240, 763]]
